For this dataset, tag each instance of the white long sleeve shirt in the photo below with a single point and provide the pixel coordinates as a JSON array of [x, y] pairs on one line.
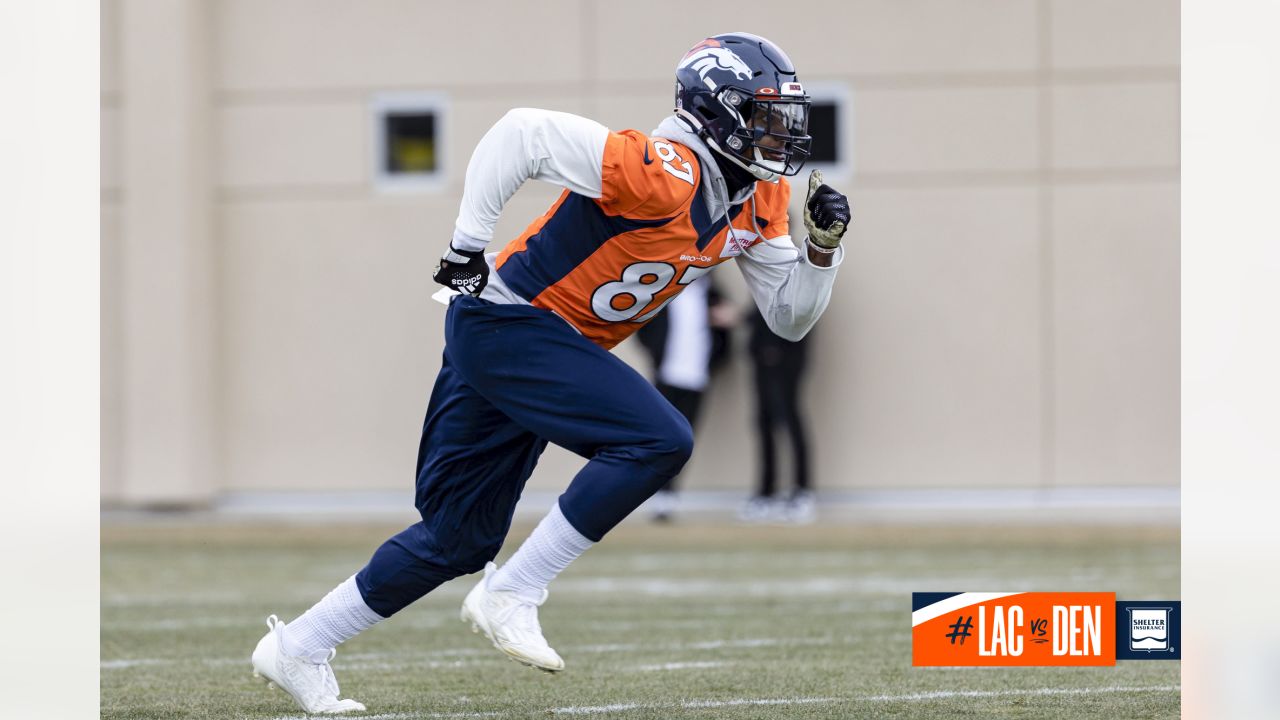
[[641, 218]]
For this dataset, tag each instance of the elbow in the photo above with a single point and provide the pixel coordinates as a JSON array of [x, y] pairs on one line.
[[792, 334], [796, 335], [789, 327]]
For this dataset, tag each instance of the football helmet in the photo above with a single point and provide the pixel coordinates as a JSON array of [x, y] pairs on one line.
[[740, 93]]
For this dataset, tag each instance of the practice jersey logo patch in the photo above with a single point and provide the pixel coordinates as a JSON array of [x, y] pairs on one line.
[[736, 241], [719, 60]]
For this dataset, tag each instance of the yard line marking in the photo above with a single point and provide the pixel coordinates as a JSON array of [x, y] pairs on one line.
[[778, 701], [120, 664], [135, 662], [944, 694], [167, 599], [428, 664], [870, 583], [403, 715], [376, 660], [681, 665], [704, 645], [687, 704], [596, 709], [171, 624]]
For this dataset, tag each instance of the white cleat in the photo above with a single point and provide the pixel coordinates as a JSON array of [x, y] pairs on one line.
[[311, 684], [510, 623]]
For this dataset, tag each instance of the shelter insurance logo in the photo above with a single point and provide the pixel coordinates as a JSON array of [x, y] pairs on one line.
[[1037, 628], [1149, 630]]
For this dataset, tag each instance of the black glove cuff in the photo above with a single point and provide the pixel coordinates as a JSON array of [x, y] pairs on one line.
[[462, 257]]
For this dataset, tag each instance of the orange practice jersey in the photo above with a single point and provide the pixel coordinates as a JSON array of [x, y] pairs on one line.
[[608, 266]]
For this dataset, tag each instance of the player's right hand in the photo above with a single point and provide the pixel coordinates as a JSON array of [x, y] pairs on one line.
[[463, 270]]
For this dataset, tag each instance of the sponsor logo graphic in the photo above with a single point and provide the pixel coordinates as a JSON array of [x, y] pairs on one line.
[[696, 258], [736, 241], [1002, 629], [1149, 630]]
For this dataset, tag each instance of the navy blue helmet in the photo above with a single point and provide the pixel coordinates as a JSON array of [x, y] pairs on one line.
[[741, 94]]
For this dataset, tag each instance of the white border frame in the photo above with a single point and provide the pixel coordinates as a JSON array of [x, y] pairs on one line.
[[387, 103], [842, 95]]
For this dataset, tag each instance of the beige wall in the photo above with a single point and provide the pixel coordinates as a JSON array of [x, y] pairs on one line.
[[1007, 315]]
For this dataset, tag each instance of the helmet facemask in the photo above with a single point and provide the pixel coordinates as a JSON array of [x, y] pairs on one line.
[[772, 137]]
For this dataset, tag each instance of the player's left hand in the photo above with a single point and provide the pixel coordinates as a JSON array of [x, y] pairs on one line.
[[826, 213], [463, 270]]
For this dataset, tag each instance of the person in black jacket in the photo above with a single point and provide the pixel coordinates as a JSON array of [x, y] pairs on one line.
[[779, 367], [686, 342]]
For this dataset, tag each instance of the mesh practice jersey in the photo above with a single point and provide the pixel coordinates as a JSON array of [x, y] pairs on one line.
[[632, 228]]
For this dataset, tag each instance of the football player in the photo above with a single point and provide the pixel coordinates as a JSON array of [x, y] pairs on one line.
[[527, 361]]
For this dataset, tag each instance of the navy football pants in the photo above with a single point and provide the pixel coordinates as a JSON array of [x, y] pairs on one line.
[[514, 378]]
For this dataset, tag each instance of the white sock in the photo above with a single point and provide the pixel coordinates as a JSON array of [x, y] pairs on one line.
[[338, 617], [550, 548]]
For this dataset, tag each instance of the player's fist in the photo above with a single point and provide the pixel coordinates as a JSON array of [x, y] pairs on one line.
[[826, 213], [463, 270]]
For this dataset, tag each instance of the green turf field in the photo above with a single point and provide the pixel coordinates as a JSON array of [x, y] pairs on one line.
[[655, 622]]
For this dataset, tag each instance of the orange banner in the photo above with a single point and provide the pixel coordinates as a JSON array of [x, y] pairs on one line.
[[1030, 628]]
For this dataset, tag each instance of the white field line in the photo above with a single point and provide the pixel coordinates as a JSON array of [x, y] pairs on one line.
[[379, 660], [403, 664], [170, 624], [802, 588], [405, 715], [680, 666], [704, 645], [121, 664], [700, 704], [778, 701], [169, 599], [945, 694], [686, 705], [596, 709], [854, 583], [214, 622]]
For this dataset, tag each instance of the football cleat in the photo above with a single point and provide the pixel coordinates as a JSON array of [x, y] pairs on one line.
[[311, 684], [511, 624]]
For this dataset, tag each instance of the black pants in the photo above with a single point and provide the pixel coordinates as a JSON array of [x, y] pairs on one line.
[[778, 371], [687, 402]]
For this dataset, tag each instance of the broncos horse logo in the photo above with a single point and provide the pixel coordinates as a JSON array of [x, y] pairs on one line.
[[706, 60]]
